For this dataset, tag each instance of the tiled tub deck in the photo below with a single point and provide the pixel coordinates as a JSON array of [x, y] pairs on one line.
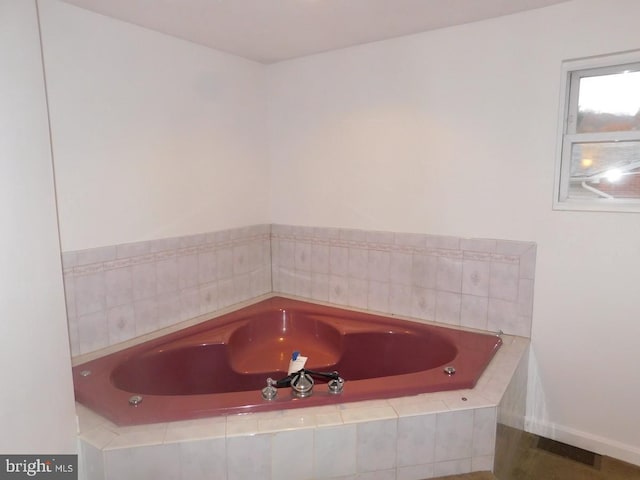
[[408, 438]]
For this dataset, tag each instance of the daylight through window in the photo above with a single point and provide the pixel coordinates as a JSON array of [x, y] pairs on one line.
[[600, 151]]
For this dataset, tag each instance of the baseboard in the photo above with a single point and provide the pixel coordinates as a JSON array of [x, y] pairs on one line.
[[587, 441]]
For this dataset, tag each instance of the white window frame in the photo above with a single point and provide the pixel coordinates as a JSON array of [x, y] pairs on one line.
[[572, 72]]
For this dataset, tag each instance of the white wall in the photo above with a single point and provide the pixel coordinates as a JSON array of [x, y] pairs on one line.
[[454, 132], [447, 132], [37, 412], [152, 136]]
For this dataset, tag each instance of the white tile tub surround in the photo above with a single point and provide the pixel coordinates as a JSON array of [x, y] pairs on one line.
[[120, 292], [477, 283], [116, 293], [407, 438]]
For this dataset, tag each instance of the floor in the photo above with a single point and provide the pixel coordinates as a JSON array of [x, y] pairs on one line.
[[523, 456]]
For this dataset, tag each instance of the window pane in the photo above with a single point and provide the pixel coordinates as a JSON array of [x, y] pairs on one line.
[[611, 168], [609, 103]]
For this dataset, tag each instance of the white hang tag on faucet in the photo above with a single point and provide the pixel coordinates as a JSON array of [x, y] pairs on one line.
[[296, 363]]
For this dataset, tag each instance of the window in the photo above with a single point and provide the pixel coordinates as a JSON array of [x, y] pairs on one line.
[[599, 151]]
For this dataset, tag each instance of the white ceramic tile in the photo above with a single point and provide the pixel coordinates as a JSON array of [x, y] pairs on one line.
[[415, 472], [358, 292], [379, 263], [320, 258], [146, 315], [368, 404], [69, 259], [90, 293], [187, 271], [302, 261], [168, 309], [503, 282], [167, 276], [192, 240], [287, 280], [209, 297], [482, 464], [200, 429], [377, 475], [338, 260], [224, 263], [475, 277], [207, 267], [74, 335], [503, 315], [143, 278], [376, 445], [157, 462], [400, 299], [358, 259], [121, 323], [417, 405], [189, 303], [335, 451], [164, 244], [449, 274], [99, 436], [423, 303], [70, 295], [93, 331], [484, 431], [320, 286], [328, 419], [424, 270], [403, 239], [286, 253], [90, 462], [478, 244], [302, 284], [240, 254], [292, 455], [118, 286], [464, 400], [353, 235], [203, 460], [452, 467], [380, 237], [338, 289], [241, 287], [401, 268], [249, 456], [287, 422], [87, 418], [95, 255], [511, 247], [454, 433], [442, 241], [528, 263], [137, 436], [127, 250], [416, 439], [448, 306], [240, 425], [473, 311], [367, 412], [525, 297], [378, 296]]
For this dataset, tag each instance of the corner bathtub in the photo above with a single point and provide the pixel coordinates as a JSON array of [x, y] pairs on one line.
[[220, 366]]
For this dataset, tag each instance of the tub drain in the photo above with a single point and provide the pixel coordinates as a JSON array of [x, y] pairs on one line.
[[449, 370], [135, 400]]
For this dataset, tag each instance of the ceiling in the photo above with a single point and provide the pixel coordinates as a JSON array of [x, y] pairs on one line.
[[269, 31]]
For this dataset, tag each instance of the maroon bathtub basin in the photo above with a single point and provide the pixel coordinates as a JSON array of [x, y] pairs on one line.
[[219, 367]]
